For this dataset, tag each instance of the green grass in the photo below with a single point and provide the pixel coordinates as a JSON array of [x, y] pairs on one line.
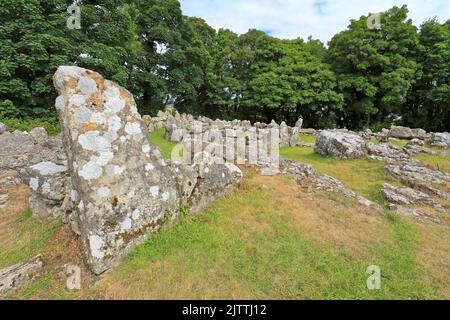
[[29, 241], [166, 146], [399, 143], [347, 171], [308, 138], [439, 162], [216, 255]]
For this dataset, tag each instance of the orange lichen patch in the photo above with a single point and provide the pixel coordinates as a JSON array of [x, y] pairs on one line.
[[124, 94], [98, 79], [98, 101], [71, 83], [90, 126]]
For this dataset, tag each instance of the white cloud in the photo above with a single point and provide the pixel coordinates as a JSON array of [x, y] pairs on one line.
[[301, 18]]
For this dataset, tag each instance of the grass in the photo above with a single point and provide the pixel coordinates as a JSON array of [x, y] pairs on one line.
[[438, 162], [306, 138], [166, 146], [257, 244], [347, 171], [31, 238]]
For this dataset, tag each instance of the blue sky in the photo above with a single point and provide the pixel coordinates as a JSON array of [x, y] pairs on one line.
[[301, 18]]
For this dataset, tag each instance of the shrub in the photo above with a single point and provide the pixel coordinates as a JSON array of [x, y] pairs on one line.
[[51, 124]]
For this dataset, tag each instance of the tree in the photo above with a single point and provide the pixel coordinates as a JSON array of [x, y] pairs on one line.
[[428, 104], [375, 68]]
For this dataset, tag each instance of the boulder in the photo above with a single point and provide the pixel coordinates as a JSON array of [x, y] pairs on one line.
[[122, 187], [299, 123], [407, 133], [340, 145], [48, 189], [440, 139], [401, 133]]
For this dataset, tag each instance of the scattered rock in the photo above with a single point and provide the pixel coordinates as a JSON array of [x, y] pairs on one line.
[[3, 128], [4, 199], [407, 133], [340, 145], [440, 139], [19, 275]]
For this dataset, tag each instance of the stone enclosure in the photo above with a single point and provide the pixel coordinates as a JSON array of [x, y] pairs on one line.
[[105, 177]]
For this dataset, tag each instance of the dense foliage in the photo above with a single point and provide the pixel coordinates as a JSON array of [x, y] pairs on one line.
[[365, 78]]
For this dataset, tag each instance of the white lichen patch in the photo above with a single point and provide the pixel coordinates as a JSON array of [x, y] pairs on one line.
[[133, 128], [136, 214], [165, 196], [111, 91], [83, 114], [87, 85], [131, 194], [81, 206], [77, 100], [91, 171], [48, 168], [149, 167], [103, 192], [46, 188], [113, 170], [123, 139], [146, 148], [114, 105], [103, 158], [126, 224], [98, 117], [154, 191], [34, 183], [60, 102], [92, 141], [96, 244], [73, 195]]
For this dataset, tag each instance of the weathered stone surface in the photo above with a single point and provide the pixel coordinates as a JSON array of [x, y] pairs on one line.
[[122, 188], [48, 190], [340, 145], [401, 133], [413, 169], [299, 123], [407, 133], [214, 180], [3, 128], [19, 150], [19, 275], [4, 199], [440, 139]]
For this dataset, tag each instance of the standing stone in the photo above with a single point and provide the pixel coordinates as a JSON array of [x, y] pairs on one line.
[[122, 188], [299, 123]]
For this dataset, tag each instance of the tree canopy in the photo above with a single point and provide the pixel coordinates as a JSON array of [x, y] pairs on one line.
[[364, 78]]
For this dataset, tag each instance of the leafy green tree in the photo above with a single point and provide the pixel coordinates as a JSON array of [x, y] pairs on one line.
[[428, 104], [375, 68]]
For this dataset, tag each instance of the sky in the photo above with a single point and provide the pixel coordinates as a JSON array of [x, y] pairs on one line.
[[289, 19]]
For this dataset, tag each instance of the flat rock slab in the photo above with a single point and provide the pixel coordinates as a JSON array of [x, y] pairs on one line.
[[19, 275]]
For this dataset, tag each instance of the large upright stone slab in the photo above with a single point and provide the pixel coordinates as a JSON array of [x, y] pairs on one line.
[[120, 184]]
